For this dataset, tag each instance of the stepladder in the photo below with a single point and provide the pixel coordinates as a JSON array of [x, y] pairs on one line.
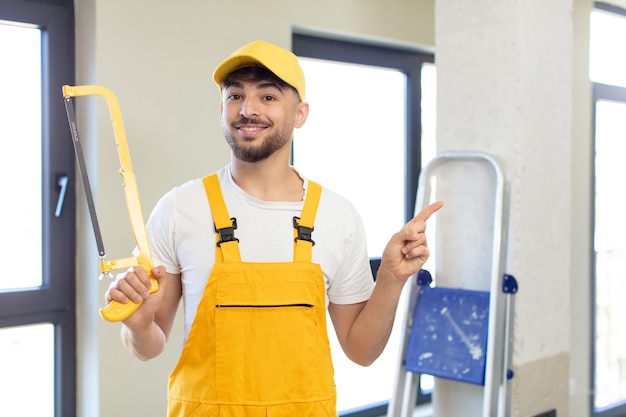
[[458, 322]]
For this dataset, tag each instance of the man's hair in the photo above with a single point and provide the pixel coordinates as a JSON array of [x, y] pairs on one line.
[[255, 74]]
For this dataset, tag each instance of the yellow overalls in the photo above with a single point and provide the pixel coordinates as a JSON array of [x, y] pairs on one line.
[[258, 346]]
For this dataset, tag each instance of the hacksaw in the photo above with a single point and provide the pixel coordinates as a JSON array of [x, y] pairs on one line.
[[114, 311]]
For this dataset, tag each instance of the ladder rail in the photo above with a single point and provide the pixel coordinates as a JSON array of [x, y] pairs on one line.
[[405, 382]]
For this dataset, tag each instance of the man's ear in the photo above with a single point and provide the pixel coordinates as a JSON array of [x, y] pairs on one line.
[[302, 112]]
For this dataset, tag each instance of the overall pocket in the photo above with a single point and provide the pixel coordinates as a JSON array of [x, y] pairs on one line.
[[271, 343]]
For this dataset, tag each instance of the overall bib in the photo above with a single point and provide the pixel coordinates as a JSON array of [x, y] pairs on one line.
[[258, 346]]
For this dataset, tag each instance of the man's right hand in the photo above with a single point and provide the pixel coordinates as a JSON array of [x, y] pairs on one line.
[[134, 286]]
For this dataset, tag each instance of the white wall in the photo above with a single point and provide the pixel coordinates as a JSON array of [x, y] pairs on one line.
[[158, 56]]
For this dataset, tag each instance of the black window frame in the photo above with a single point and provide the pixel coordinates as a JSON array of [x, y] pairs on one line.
[[54, 301], [410, 62]]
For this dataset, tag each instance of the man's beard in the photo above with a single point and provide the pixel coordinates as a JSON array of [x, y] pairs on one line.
[[256, 153]]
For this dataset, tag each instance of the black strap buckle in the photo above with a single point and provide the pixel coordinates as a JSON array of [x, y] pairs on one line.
[[227, 234], [304, 233]]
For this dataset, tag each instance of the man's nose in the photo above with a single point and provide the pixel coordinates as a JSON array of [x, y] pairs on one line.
[[249, 108]]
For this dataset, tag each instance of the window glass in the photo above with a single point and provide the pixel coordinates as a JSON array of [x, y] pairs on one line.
[[354, 139], [27, 364], [610, 248], [607, 63], [20, 160], [428, 140]]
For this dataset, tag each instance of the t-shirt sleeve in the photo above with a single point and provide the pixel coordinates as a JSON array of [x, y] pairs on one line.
[[160, 228], [353, 282]]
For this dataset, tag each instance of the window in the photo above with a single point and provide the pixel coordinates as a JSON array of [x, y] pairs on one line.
[[37, 216], [370, 129], [608, 72]]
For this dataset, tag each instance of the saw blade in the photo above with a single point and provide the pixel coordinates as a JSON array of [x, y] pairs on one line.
[[82, 167]]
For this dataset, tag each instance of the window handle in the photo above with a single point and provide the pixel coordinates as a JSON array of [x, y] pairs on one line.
[[62, 185]]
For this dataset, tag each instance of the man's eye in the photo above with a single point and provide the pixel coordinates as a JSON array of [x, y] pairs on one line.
[[269, 98], [234, 96]]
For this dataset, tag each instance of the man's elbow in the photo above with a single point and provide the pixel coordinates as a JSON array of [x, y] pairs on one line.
[[362, 358]]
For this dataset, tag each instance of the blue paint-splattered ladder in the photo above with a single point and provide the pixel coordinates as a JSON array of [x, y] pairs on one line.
[[458, 332]]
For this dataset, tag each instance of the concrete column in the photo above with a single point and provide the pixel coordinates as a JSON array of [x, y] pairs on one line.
[[505, 88]]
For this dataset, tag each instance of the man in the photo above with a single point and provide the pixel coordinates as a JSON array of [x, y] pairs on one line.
[[258, 252]]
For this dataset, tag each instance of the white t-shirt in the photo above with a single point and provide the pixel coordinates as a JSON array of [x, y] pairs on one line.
[[182, 238]]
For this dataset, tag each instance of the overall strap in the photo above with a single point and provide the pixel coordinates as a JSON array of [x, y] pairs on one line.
[[303, 225], [227, 246]]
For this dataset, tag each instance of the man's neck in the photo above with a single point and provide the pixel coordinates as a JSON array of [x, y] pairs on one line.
[[268, 181]]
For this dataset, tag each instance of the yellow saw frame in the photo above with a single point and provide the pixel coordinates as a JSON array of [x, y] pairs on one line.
[[114, 311]]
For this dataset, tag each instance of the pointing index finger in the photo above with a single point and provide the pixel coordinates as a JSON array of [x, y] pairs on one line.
[[428, 211]]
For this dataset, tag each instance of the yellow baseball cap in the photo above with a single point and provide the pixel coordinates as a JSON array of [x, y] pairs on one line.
[[283, 63]]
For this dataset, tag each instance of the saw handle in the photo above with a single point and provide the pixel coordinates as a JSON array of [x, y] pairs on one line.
[[116, 311]]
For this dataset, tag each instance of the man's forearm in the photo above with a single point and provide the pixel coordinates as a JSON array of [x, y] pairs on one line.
[[371, 329], [144, 344]]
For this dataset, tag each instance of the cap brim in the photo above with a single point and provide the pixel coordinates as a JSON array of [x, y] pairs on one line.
[[232, 64]]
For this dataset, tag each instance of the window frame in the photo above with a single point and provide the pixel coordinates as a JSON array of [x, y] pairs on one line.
[[54, 301], [409, 61]]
